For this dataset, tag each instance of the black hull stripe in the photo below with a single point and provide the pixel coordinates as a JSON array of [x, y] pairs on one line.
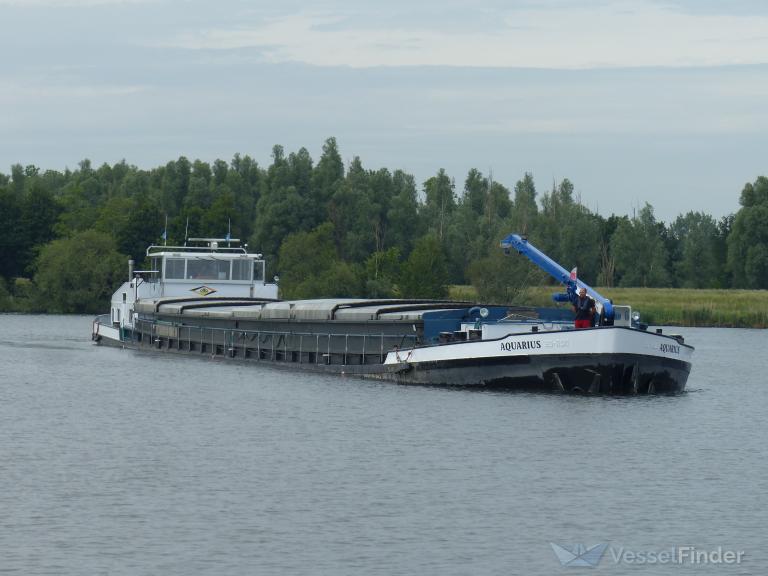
[[553, 361]]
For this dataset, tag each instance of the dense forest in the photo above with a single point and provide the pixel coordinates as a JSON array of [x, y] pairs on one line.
[[333, 230]]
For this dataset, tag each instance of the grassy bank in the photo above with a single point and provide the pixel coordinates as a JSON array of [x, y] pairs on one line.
[[669, 306]]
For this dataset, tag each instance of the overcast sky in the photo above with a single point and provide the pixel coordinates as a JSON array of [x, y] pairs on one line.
[[633, 101]]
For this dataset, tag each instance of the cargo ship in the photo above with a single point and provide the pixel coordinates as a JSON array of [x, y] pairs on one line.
[[210, 298]]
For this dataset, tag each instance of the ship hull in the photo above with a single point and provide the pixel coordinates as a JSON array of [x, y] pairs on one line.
[[611, 361], [589, 374]]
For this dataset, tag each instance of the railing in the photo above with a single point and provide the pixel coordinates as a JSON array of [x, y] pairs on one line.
[[155, 250], [100, 319]]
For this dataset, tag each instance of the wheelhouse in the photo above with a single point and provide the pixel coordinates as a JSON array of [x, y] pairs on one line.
[[212, 263]]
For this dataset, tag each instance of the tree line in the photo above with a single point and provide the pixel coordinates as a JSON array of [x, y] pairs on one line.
[[329, 230]]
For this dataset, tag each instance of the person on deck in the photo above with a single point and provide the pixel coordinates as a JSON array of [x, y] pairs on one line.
[[585, 309]]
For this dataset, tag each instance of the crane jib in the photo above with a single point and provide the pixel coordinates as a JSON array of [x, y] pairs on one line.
[[521, 245]]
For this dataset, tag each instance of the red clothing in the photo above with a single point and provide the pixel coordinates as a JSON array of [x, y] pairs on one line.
[[585, 323]]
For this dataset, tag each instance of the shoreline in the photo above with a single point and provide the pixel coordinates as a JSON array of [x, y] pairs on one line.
[[679, 307]]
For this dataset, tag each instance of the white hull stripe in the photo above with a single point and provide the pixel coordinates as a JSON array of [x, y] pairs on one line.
[[604, 341]]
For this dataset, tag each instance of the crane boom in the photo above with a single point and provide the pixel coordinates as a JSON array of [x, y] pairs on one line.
[[522, 246]]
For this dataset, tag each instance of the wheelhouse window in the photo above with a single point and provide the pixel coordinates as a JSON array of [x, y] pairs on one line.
[[174, 268], [156, 264], [241, 269], [208, 269], [258, 270]]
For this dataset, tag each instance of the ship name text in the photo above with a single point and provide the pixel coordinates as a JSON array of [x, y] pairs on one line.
[[520, 345]]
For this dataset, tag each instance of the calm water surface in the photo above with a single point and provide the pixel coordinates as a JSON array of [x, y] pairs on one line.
[[118, 462]]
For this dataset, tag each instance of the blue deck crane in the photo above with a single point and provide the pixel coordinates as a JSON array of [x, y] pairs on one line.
[[572, 285]]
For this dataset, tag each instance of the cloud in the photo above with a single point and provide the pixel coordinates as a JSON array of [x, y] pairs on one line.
[[70, 3], [10, 91], [634, 33]]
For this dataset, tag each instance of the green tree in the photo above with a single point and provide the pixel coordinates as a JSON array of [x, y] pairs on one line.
[[6, 300], [310, 267], [475, 191], [404, 225], [497, 204], [279, 213], [524, 210], [502, 278], [425, 273], [174, 185], [748, 241], [440, 201], [328, 174], [245, 180], [382, 270], [608, 226], [134, 223], [81, 201], [698, 265], [217, 220], [465, 241], [355, 217], [39, 213], [18, 177], [724, 228], [199, 193], [284, 206], [382, 192], [78, 274], [11, 240], [568, 232], [639, 250], [477, 222]]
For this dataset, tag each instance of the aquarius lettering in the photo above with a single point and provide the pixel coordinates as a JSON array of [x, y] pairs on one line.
[[670, 348], [521, 345]]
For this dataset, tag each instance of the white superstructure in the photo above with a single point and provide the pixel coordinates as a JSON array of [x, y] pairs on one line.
[[214, 268]]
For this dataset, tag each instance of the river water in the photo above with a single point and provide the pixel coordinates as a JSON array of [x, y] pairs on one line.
[[122, 462]]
